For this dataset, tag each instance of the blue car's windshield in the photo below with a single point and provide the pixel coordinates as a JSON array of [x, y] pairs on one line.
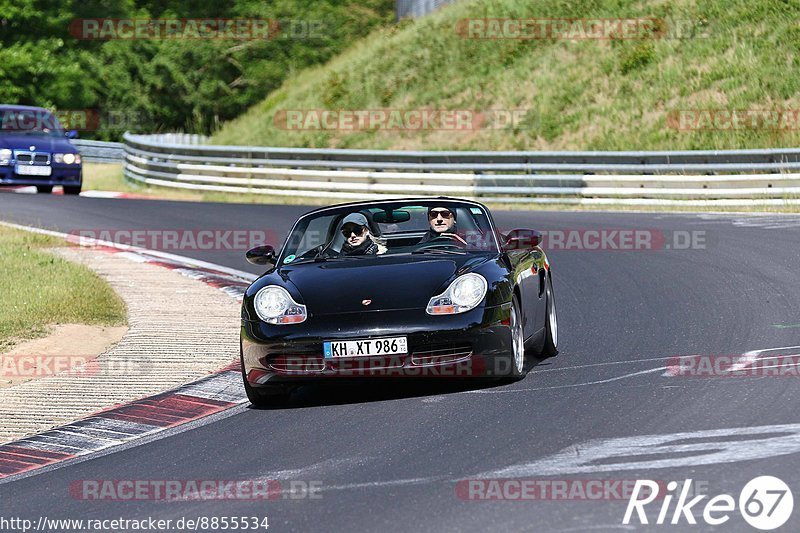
[[38, 122], [441, 227]]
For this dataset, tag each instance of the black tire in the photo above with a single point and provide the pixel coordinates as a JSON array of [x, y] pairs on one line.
[[265, 397], [44, 189], [550, 347], [72, 190]]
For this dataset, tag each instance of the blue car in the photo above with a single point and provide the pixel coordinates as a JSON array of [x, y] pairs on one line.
[[35, 150]]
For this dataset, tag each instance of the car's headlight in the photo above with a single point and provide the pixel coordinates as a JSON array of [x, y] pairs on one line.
[[274, 305], [5, 156], [465, 293], [69, 159]]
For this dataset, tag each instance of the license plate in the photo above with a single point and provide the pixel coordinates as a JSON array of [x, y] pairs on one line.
[[33, 170], [365, 348]]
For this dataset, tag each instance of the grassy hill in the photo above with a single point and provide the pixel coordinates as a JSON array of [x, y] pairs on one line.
[[589, 94]]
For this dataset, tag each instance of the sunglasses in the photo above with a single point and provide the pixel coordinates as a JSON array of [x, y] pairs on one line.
[[444, 214], [357, 230]]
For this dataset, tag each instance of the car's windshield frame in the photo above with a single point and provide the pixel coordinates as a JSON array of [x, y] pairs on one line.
[[354, 207]]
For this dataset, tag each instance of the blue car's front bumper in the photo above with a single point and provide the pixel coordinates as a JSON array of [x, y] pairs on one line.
[[71, 175]]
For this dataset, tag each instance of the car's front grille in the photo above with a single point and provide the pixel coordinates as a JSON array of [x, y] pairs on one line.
[[38, 158], [441, 354], [297, 363]]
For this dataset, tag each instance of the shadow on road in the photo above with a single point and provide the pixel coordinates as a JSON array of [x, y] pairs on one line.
[[343, 391]]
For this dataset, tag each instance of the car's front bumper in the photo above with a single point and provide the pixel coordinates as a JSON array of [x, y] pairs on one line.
[[60, 175], [473, 344]]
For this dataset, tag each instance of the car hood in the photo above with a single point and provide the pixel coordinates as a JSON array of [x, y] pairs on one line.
[[42, 143], [334, 287]]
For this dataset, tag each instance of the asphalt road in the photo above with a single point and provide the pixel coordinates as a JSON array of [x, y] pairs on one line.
[[390, 457]]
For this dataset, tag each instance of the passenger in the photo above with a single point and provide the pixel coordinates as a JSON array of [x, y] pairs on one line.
[[358, 239], [443, 224]]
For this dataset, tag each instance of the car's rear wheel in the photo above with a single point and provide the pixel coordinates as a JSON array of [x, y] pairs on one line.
[[72, 190], [550, 347], [44, 189]]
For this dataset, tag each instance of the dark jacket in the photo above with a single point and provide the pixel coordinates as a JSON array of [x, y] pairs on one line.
[[368, 247]]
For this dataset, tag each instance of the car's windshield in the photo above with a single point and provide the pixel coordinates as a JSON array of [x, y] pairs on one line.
[[390, 228], [39, 122]]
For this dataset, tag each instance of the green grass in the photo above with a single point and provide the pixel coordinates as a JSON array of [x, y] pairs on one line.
[[38, 289], [104, 177], [576, 95]]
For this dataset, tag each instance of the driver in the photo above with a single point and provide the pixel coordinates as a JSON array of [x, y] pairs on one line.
[[443, 224], [358, 240]]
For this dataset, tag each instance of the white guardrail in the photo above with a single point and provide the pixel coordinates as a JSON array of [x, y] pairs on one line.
[[690, 178], [100, 151]]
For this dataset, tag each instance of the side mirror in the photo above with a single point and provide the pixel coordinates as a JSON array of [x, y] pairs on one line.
[[262, 255], [71, 134], [522, 239]]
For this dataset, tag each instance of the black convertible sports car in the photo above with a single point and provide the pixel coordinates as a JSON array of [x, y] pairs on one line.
[[397, 288]]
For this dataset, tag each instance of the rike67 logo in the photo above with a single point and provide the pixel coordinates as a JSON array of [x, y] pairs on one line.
[[765, 503]]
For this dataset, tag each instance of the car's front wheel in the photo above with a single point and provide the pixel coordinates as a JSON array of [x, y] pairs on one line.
[[44, 189], [265, 397], [72, 190]]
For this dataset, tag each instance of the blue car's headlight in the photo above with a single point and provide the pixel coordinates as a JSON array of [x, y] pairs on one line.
[[68, 159], [274, 305], [5, 156], [464, 294]]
